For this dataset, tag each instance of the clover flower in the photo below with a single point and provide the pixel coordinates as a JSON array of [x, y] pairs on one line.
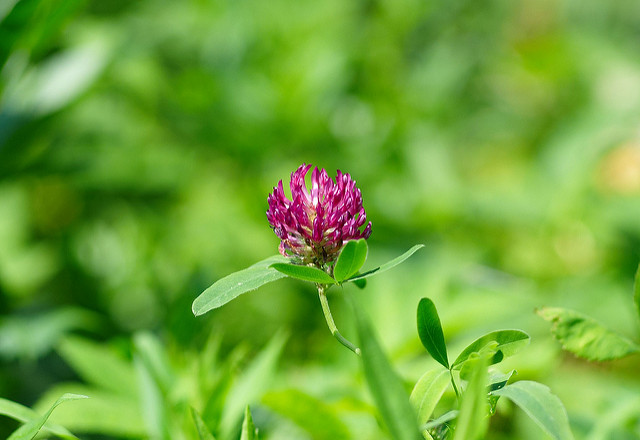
[[314, 226]]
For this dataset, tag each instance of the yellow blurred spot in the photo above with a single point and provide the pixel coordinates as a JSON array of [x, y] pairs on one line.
[[620, 170]]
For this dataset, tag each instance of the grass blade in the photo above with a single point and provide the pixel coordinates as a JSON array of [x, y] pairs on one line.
[[385, 385], [31, 429]]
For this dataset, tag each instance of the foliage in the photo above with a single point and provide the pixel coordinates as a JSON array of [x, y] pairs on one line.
[[33, 423], [138, 143], [482, 390]]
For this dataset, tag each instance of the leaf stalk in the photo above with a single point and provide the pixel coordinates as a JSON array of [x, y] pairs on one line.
[[329, 318]]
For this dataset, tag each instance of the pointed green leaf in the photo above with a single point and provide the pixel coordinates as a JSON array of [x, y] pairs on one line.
[[237, 283], [427, 392], [543, 407], [107, 413], [585, 337], [385, 385], [99, 364], [305, 273], [430, 331], [31, 429], [201, 427], [249, 431], [350, 260], [472, 421], [24, 414], [249, 387], [154, 358], [509, 342], [636, 291], [389, 265], [152, 401]]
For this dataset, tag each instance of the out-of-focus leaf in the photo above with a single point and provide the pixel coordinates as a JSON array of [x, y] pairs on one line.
[[29, 430], [106, 413], [385, 385], [237, 283], [152, 354], [250, 385], [620, 413], [201, 427], [309, 413], [151, 401], [57, 81], [543, 407], [430, 331], [585, 337], [509, 342], [350, 260], [28, 22], [636, 291], [99, 365], [428, 391], [389, 265], [305, 273], [24, 414], [249, 431], [472, 421], [33, 336]]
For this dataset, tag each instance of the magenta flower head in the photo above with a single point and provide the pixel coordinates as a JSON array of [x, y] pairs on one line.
[[314, 226]]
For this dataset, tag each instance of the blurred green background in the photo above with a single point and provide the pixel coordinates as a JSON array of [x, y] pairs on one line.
[[139, 140]]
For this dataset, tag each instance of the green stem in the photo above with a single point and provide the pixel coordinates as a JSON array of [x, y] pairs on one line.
[[329, 318], [453, 382]]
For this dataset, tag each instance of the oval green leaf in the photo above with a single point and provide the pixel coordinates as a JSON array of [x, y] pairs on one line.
[[585, 337], [305, 273], [385, 385], [543, 407], [427, 392], [389, 265], [350, 260], [430, 331], [234, 285], [509, 342]]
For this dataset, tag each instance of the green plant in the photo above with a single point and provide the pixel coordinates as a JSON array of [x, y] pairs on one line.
[[479, 386]]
